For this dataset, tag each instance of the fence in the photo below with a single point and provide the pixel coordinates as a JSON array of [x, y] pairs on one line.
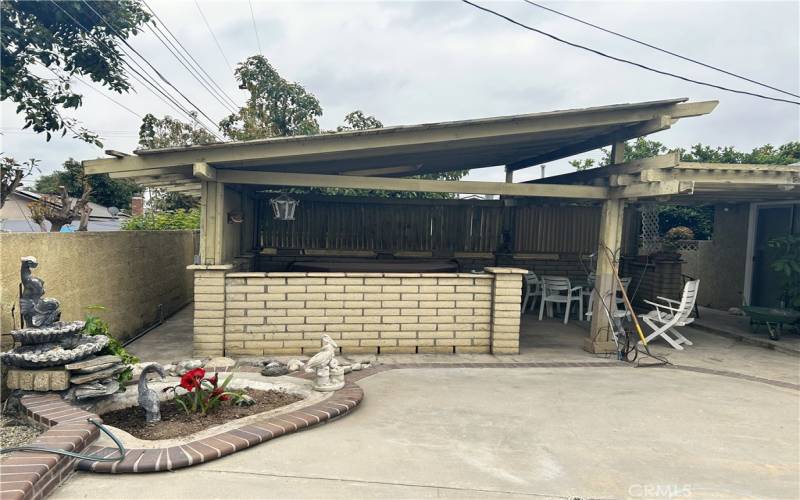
[[441, 227]]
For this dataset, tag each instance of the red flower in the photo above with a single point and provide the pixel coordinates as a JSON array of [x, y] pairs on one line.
[[191, 379], [217, 391]]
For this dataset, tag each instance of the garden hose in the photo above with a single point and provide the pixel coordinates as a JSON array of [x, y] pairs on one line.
[[66, 453]]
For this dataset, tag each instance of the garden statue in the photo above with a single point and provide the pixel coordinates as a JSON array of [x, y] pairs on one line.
[[148, 398], [36, 311], [329, 375]]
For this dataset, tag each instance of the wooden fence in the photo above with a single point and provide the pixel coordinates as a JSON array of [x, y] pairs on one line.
[[437, 226]]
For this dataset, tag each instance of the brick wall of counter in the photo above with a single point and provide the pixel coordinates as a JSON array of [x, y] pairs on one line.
[[246, 313]]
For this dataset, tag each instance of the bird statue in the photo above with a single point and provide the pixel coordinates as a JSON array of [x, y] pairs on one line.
[[148, 398], [323, 358]]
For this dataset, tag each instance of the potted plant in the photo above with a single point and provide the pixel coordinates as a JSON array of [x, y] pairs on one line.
[[671, 242]]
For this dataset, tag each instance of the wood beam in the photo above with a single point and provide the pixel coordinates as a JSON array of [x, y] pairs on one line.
[[395, 184], [204, 171], [628, 168], [653, 189], [740, 177], [152, 172], [624, 133], [183, 187], [688, 165], [403, 169]]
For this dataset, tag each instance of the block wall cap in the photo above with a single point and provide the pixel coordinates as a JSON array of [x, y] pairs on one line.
[[505, 270]]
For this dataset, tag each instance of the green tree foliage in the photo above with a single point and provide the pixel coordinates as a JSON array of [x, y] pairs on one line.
[[105, 190], [698, 219], [357, 120], [275, 108], [12, 173], [787, 262], [164, 221], [46, 34], [166, 201], [168, 132]]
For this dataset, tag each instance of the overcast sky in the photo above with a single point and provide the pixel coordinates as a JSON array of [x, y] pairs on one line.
[[417, 62]]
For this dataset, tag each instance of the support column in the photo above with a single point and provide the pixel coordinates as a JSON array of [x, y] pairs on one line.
[[509, 175], [506, 303], [209, 310], [212, 222], [600, 339]]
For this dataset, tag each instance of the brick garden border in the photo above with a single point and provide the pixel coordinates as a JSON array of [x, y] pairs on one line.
[[28, 475], [211, 448]]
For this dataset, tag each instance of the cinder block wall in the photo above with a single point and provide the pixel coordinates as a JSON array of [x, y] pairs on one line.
[[247, 313], [128, 272]]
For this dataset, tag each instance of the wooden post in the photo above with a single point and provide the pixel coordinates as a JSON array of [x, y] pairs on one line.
[[509, 175], [611, 220], [600, 339], [211, 222]]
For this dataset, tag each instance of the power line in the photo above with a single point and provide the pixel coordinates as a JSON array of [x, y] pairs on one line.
[[685, 58], [166, 42], [145, 78], [158, 73], [626, 61], [213, 36], [199, 66], [255, 28]]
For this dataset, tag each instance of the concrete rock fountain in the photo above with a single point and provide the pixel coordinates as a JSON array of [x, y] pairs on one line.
[[51, 355]]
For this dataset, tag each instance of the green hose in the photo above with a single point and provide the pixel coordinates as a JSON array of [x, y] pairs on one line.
[[58, 451]]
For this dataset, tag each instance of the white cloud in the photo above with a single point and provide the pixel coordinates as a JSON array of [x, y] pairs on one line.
[[414, 62]]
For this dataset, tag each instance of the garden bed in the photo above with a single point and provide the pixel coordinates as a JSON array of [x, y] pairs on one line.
[[175, 422], [16, 432]]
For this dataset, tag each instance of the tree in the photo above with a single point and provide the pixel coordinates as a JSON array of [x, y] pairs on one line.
[[275, 108], [65, 38], [12, 174], [104, 190], [357, 120], [167, 132], [167, 201], [61, 211]]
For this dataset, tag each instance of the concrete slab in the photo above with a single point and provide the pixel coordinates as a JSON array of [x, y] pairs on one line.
[[170, 341], [514, 433]]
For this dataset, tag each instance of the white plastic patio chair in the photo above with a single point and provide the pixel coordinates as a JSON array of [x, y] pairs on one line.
[[559, 290], [672, 313], [533, 290], [588, 290]]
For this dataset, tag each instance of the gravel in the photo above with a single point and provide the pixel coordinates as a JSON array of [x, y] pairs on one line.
[[16, 432]]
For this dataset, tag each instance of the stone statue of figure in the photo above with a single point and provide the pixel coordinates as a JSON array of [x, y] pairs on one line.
[[36, 311], [148, 398], [329, 375]]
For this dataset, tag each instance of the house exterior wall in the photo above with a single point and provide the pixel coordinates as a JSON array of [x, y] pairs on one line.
[[247, 313], [128, 272], [720, 263]]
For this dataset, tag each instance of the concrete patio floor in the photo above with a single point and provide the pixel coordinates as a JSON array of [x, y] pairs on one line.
[[593, 432], [599, 432]]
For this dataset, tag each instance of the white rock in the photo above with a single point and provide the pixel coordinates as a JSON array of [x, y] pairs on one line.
[[220, 362], [294, 365]]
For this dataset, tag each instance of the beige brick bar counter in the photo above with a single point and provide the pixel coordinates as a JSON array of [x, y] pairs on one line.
[[256, 313]]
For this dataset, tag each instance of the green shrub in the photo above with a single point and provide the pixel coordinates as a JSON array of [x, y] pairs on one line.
[[164, 221], [95, 325]]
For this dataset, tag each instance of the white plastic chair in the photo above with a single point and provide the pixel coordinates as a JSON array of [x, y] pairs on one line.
[[533, 290], [672, 313], [559, 290]]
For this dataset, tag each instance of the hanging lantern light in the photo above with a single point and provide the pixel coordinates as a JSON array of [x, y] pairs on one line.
[[283, 207]]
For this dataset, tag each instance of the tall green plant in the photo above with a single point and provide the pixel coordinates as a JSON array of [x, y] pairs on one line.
[[95, 325], [787, 263]]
